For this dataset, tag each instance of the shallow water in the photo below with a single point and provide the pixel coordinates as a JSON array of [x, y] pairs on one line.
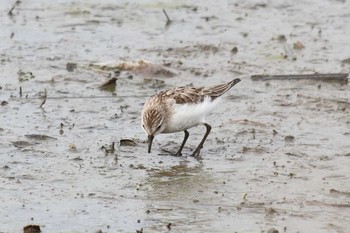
[[278, 154]]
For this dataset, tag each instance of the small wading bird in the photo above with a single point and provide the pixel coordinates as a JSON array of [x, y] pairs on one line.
[[179, 109]]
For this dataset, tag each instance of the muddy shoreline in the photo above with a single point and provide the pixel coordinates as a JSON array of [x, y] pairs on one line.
[[276, 159]]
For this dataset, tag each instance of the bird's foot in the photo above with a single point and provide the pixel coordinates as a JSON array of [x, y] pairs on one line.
[[195, 153], [178, 154]]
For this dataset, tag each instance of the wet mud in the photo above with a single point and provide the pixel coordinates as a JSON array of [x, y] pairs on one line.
[[73, 80]]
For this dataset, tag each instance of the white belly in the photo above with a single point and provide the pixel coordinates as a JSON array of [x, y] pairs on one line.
[[186, 116]]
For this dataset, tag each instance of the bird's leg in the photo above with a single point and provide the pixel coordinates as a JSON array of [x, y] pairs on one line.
[[199, 147], [178, 153]]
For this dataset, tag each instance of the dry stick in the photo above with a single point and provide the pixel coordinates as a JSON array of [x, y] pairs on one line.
[[168, 20], [338, 77], [44, 101], [20, 92]]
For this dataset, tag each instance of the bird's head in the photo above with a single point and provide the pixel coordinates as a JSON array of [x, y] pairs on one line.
[[152, 122]]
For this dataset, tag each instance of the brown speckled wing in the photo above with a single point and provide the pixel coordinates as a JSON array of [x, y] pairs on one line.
[[184, 95], [187, 95]]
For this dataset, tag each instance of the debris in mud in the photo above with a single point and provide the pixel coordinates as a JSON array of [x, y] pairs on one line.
[[109, 85], [155, 83], [270, 211], [31, 229], [10, 12], [272, 230], [44, 97], [253, 133], [258, 5], [336, 77], [109, 149], [21, 144], [345, 61], [77, 159], [25, 76], [249, 122], [168, 20], [234, 50], [39, 137], [298, 45], [257, 149], [71, 66], [139, 67], [289, 138], [244, 34], [98, 231], [72, 147], [208, 18], [139, 231], [4, 103], [340, 193], [188, 51], [140, 166], [196, 72], [169, 226], [281, 38], [297, 154], [127, 142]]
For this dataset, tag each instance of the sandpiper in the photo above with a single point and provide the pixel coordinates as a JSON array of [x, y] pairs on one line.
[[179, 109]]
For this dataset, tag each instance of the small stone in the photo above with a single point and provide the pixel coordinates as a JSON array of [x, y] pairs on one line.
[[31, 229], [234, 50], [4, 103], [71, 66], [127, 142], [272, 230], [289, 138]]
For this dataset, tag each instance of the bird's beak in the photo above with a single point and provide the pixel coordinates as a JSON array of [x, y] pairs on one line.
[[150, 140]]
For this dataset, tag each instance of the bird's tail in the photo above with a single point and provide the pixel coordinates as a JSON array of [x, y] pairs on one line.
[[219, 90]]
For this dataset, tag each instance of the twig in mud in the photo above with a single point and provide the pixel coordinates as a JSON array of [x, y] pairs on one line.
[[20, 92], [112, 148], [44, 99], [168, 20], [11, 10], [337, 77]]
